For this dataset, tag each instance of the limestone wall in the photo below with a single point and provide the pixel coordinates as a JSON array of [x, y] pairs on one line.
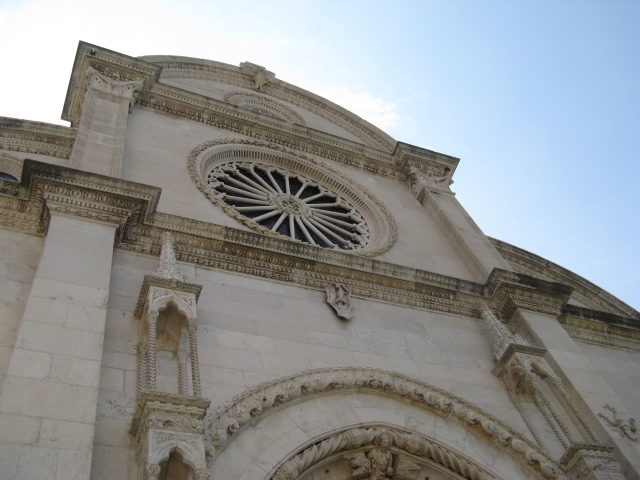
[[251, 331], [156, 155], [18, 263]]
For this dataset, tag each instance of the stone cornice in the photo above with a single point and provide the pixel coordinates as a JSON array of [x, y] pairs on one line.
[[25, 207], [584, 291], [45, 187], [601, 328], [406, 155], [509, 291], [36, 137], [176, 102], [109, 64], [243, 76]]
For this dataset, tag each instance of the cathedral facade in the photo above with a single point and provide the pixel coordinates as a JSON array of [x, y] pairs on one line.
[[215, 274]]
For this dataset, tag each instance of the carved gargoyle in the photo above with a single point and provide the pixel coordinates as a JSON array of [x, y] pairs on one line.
[[340, 299]]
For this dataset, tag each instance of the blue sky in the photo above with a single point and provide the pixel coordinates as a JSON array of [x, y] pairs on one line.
[[539, 99]]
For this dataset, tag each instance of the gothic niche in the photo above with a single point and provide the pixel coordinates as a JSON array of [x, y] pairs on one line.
[[168, 423]]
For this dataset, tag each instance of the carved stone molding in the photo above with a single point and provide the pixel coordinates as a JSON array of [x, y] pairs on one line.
[[601, 328], [585, 461], [183, 67], [223, 424], [509, 291], [205, 157], [36, 137], [46, 187], [263, 105], [302, 139], [163, 423], [583, 290], [11, 165], [109, 72], [402, 442]]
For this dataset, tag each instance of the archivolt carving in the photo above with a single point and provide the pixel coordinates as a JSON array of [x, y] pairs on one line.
[[264, 105], [11, 165], [206, 156], [223, 424], [411, 443]]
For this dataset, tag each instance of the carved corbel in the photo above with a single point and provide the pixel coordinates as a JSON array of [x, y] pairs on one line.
[[421, 181]]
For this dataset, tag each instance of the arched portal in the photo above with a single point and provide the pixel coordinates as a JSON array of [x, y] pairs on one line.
[[262, 430]]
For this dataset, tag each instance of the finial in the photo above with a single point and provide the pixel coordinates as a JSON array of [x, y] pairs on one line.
[[168, 267]]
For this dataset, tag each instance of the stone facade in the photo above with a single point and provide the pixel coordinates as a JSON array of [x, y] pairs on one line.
[[214, 274]]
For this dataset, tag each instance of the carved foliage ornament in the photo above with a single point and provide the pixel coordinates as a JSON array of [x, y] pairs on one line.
[[223, 424], [628, 430], [263, 105], [279, 193]]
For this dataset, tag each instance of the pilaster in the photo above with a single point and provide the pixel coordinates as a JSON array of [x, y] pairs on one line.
[[568, 391], [49, 398], [104, 87], [429, 176]]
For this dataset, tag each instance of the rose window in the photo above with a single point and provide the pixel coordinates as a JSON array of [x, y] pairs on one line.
[[289, 204]]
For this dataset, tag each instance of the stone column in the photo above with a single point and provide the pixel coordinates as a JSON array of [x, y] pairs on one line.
[[49, 400], [99, 145], [193, 352]]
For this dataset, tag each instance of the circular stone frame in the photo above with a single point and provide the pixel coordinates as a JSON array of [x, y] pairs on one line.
[[209, 155]]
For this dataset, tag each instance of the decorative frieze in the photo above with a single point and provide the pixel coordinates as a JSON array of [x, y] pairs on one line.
[[246, 78], [36, 137]]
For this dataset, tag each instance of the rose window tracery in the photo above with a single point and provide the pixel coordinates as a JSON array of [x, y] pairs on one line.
[[289, 204], [281, 193]]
